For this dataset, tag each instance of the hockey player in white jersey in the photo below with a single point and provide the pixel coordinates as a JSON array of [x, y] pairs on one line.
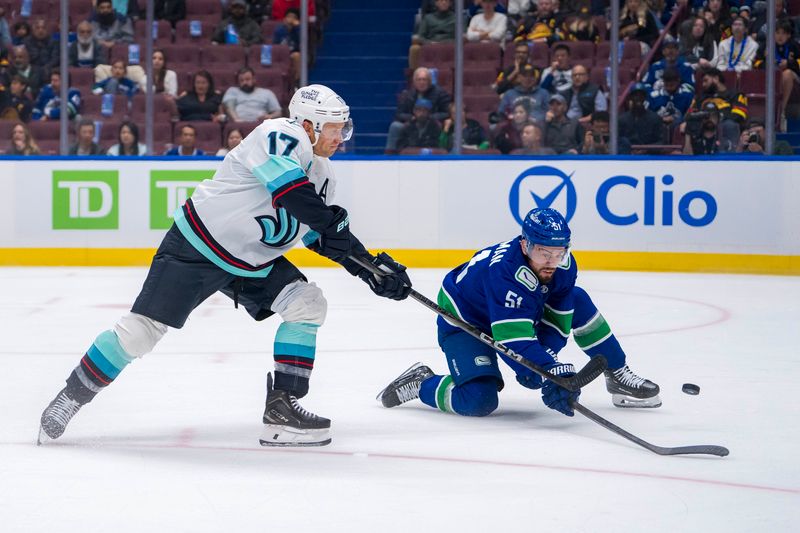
[[272, 190]]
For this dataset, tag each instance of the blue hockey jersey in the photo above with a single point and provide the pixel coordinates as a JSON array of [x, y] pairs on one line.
[[497, 292]]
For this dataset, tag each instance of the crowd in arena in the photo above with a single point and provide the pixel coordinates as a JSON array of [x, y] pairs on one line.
[[536, 75]]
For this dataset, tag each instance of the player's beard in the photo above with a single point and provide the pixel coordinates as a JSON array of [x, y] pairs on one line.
[[545, 275]]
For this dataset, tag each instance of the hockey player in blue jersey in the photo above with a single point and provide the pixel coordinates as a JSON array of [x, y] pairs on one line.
[[274, 189], [523, 292]]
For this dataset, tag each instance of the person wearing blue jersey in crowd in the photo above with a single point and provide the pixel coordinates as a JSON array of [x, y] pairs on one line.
[[271, 191], [672, 60], [523, 292]]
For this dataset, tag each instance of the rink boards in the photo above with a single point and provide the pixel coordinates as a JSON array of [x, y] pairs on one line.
[[703, 215]]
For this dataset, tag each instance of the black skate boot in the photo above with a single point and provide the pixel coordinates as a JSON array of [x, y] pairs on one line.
[[56, 416], [629, 390], [288, 424], [405, 387]]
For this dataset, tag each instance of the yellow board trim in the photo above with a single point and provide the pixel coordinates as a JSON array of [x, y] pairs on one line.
[[588, 260]]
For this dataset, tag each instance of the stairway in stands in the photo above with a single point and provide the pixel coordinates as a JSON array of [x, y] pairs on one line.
[[363, 57]]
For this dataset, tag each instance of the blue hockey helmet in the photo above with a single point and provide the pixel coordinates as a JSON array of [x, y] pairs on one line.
[[546, 227]]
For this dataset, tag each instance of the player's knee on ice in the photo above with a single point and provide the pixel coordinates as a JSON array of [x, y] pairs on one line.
[[301, 301], [138, 334], [476, 398]]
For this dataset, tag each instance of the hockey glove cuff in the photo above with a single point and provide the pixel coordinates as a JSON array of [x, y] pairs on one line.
[[335, 241], [556, 397], [395, 284]]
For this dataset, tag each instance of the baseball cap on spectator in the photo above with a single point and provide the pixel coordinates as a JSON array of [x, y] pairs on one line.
[[557, 98], [710, 107], [424, 103], [238, 3], [528, 70], [669, 41], [639, 88], [743, 9]]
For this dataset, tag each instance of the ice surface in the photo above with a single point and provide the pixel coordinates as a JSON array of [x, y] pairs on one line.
[[172, 446]]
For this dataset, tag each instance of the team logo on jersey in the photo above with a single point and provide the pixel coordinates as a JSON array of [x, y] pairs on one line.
[[526, 276], [542, 186], [280, 230]]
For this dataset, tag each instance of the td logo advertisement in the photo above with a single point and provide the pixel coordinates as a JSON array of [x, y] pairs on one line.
[[85, 199]]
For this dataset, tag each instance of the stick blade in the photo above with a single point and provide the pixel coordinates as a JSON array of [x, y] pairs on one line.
[[588, 373], [703, 449]]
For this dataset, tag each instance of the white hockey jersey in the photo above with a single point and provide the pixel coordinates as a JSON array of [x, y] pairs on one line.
[[231, 219]]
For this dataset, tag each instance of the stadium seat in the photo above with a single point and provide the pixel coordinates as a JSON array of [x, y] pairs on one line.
[[231, 57], [268, 28], [479, 78], [82, 79], [581, 52], [182, 56], [275, 81], [184, 36], [280, 58], [203, 8], [244, 127], [109, 132], [92, 104], [163, 33], [437, 54], [631, 53], [419, 151], [482, 55], [164, 108]]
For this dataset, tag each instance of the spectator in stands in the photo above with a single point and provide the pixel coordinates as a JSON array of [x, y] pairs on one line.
[[638, 124], [288, 34], [202, 102], [260, 9], [672, 101], [170, 10], [437, 27], [731, 106], [117, 83], [758, 26], [21, 65], [508, 136], [422, 87], [596, 140], [527, 89], [48, 105], [187, 146], [43, 49], [237, 27], [16, 105], [85, 144], [751, 141], [128, 8], [5, 30], [672, 59], [562, 134], [109, 26], [508, 77], [22, 142], [516, 11], [86, 51], [165, 80], [717, 14], [279, 8], [249, 103], [697, 44], [787, 57], [231, 141], [475, 7], [737, 52], [422, 131], [584, 97], [558, 76], [580, 27], [472, 134], [489, 25], [19, 32], [542, 25], [532, 136], [128, 141], [638, 22]]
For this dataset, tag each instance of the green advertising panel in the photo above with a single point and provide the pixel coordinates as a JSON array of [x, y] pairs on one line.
[[169, 189], [85, 199]]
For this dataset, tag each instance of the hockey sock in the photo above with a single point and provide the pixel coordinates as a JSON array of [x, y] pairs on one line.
[[101, 365], [595, 338], [295, 346], [474, 398]]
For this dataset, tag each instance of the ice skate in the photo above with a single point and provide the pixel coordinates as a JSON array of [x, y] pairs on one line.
[[405, 387], [56, 417], [288, 424], [629, 390]]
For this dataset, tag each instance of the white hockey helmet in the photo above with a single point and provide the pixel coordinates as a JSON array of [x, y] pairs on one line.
[[320, 105]]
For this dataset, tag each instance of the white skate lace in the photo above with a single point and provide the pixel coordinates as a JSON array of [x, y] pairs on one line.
[[409, 391], [63, 409], [297, 407], [626, 377]]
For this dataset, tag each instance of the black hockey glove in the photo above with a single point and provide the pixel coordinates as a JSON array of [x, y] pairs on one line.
[[335, 241], [556, 397], [395, 284]]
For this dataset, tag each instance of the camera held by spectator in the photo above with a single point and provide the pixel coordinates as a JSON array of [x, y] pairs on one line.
[[702, 131]]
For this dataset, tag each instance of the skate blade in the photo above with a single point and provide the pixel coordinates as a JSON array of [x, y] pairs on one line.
[[42, 438], [274, 435], [629, 402]]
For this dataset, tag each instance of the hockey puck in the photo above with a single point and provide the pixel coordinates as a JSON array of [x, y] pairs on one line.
[[691, 388]]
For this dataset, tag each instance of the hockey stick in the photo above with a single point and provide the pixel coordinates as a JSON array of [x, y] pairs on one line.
[[594, 368], [586, 375], [704, 449]]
